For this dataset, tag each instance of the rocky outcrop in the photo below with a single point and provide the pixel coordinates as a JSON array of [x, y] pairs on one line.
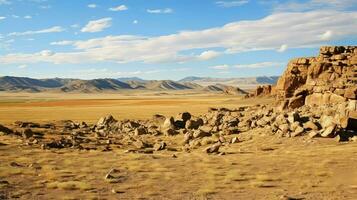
[[329, 78]]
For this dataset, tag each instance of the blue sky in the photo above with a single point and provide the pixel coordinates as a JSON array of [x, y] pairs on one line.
[[167, 39]]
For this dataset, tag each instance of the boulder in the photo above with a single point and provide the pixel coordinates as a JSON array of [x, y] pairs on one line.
[[200, 133], [329, 131], [159, 146], [213, 149], [296, 101], [311, 126], [105, 121], [5, 130], [27, 133], [185, 116], [140, 131], [293, 117], [169, 123]]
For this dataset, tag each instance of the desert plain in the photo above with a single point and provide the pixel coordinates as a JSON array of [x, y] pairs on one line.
[[258, 165]]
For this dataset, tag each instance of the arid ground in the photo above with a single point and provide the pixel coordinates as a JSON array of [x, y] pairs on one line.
[[260, 166]]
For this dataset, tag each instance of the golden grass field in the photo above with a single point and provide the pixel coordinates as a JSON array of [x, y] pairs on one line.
[[261, 166], [39, 107]]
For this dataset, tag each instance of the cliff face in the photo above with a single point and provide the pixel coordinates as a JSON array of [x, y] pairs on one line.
[[329, 78]]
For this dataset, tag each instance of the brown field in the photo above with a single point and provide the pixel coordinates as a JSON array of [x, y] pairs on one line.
[[39, 107], [261, 166]]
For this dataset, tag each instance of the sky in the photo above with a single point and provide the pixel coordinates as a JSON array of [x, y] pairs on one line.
[[167, 39]]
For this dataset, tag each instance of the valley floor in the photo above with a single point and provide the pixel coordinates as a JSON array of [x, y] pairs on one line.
[[263, 167], [259, 166]]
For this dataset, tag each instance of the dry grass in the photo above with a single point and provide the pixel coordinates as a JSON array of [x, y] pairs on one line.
[[81, 107]]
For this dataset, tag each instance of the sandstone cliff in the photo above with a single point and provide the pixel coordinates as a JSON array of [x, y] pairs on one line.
[[329, 78]]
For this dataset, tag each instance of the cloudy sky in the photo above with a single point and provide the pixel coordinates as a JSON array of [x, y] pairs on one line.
[[167, 39]]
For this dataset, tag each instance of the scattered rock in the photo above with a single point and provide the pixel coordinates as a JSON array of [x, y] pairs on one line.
[[214, 148]]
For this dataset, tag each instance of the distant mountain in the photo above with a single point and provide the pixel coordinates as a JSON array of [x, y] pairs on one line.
[[192, 78], [8, 83], [166, 85], [246, 83], [128, 79]]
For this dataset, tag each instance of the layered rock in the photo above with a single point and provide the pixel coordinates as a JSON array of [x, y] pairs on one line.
[[329, 78]]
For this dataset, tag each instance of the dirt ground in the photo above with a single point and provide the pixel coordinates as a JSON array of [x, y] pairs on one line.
[[261, 166]]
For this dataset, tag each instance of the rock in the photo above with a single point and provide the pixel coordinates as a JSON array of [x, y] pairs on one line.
[[140, 144], [160, 146], [329, 131], [140, 131], [313, 134], [158, 119], [169, 132], [298, 131], [105, 121], [326, 121], [296, 102], [351, 93], [169, 123], [194, 124], [27, 133], [214, 148], [311, 126], [234, 140], [5, 130], [293, 117], [185, 116], [349, 123], [284, 128], [200, 133], [179, 124]]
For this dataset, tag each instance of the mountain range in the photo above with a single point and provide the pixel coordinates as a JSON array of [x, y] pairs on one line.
[[205, 84]]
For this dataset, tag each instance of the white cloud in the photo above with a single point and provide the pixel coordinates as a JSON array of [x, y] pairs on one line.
[[327, 35], [259, 65], [97, 25], [283, 48], [229, 4], [62, 43], [2, 18], [315, 4], [220, 67], [119, 8], [160, 11], [27, 17], [4, 2], [55, 29], [92, 5], [135, 22], [75, 26], [207, 55], [22, 66], [268, 33]]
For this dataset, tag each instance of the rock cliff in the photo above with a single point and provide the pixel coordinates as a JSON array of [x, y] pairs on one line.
[[329, 78]]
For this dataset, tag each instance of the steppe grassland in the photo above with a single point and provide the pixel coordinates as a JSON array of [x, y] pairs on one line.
[[41, 107]]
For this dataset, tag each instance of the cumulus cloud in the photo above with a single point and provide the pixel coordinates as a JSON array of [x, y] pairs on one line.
[[229, 4], [97, 25], [2, 18], [28, 17], [268, 33], [55, 29], [160, 11], [119, 8], [135, 22]]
